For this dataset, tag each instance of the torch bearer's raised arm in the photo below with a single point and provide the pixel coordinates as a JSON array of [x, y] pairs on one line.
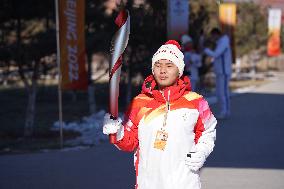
[[118, 46]]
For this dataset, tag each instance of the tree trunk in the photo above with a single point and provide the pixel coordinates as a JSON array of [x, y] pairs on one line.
[[30, 86], [32, 91], [30, 113]]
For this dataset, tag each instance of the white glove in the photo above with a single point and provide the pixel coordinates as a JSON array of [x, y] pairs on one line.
[[195, 160], [111, 126]]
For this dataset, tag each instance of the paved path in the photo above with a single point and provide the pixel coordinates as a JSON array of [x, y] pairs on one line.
[[248, 155], [249, 148]]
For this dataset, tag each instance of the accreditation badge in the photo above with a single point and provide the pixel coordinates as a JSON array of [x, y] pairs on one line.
[[161, 140]]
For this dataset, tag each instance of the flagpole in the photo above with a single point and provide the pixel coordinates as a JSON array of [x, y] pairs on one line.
[[59, 73], [219, 2]]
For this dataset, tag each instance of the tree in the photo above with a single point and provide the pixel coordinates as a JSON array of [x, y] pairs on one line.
[[27, 34], [33, 41], [251, 30]]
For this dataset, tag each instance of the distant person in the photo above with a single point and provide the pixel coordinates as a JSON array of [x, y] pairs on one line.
[[192, 60], [222, 63], [170, 128]]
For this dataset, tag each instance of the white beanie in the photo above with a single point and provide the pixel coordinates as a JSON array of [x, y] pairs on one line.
[[170, 51]]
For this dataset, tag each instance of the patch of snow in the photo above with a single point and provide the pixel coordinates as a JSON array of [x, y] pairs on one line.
[[90, 128]]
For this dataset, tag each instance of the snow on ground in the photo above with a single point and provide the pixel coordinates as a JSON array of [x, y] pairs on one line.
[[90, 128]]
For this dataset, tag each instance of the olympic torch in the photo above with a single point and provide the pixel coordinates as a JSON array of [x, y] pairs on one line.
[[118, 45]]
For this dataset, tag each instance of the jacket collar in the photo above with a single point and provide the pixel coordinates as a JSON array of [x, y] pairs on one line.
[[171, 93]]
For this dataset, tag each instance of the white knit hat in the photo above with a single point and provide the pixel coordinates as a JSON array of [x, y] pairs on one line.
[[170, 51]]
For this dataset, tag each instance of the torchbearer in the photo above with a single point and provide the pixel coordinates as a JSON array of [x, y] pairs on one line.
[[170, 128], [118, 46]]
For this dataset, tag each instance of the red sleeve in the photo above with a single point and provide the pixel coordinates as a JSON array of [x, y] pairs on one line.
[[198, 130], [205, 128], [130, 141], [204, 115]]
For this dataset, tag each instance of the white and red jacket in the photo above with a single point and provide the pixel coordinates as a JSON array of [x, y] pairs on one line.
[[190, 125]]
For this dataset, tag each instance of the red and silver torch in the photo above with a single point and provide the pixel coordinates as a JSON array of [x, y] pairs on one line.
[[118, 45]]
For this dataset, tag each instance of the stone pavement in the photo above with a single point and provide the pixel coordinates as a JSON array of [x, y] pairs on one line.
[[248, 154]]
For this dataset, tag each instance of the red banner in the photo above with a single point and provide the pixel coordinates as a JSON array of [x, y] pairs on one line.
[[274, 28], [72, 44]]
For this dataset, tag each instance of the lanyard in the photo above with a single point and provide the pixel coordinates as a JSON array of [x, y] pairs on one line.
[[167, 110]]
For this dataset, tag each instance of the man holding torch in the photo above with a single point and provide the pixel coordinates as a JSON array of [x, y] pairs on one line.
[[170, 128]]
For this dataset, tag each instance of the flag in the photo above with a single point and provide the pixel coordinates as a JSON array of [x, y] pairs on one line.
[[72, 44], [228, 19], [274, 28], [177, 18]]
